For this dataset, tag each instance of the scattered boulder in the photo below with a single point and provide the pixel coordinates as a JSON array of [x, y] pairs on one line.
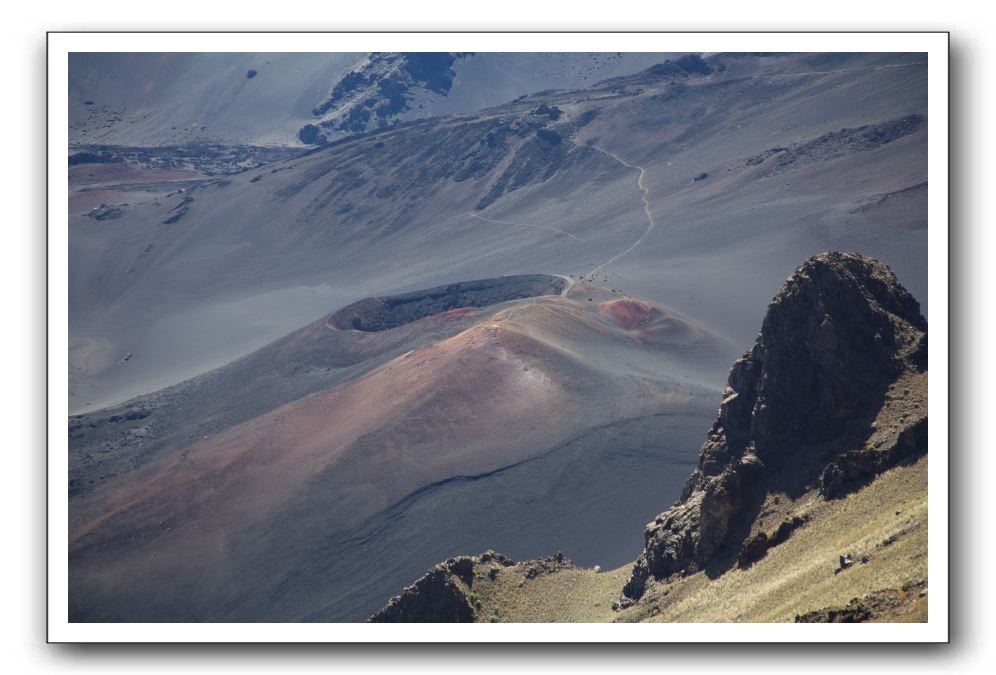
[[845, 561], [251, 73], [105, 212], [622, 603]]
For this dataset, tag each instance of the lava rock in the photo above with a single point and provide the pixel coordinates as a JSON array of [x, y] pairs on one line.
[[840, 331]]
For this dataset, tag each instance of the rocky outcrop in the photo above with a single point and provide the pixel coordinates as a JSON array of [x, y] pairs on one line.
[[839, 143], [105, 212], [838, 334], [855, 467], [893, 604], [757, 547], [442, 595], [546, 565], [384, 87], [179, 211]]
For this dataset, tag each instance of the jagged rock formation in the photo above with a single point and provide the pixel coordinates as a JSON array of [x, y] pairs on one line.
[[835, 338], [442, 595]]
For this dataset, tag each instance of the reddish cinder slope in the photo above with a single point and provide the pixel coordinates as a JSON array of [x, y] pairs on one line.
[[521, 379], [629, 313]]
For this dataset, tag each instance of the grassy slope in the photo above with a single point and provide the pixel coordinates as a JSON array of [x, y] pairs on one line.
[[795, 577], [798, 576]]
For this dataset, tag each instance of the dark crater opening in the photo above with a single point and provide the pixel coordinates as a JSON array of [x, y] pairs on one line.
[[384, 313]]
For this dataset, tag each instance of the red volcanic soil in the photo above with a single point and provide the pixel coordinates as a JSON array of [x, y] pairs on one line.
[[100, 174], [84, 201], [96, 184], [445, 408], [628, 313]]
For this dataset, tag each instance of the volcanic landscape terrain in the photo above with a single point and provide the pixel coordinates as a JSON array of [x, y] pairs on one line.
[[420, 423], [301, 375]]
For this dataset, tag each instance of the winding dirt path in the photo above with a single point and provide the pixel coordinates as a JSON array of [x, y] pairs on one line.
[[644, 196]]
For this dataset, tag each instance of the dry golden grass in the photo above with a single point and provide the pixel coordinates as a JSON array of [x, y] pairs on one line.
[[799, 575], [795, 577], [567, 596]]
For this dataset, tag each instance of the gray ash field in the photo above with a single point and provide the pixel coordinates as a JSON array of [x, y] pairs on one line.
[[301, 375]]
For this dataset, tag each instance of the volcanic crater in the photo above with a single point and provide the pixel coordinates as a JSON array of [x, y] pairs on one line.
[[375, 314]]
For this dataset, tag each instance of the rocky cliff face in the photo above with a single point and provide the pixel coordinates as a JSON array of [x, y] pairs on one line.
[[835, 338]]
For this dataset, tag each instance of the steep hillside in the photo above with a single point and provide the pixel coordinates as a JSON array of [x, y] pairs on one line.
[[427, 423], [810, 489], [155, 98], [695, 184], [143, 99]]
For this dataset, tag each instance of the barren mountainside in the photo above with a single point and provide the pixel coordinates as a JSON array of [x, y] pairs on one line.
[[334, 318], [696, 185]]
